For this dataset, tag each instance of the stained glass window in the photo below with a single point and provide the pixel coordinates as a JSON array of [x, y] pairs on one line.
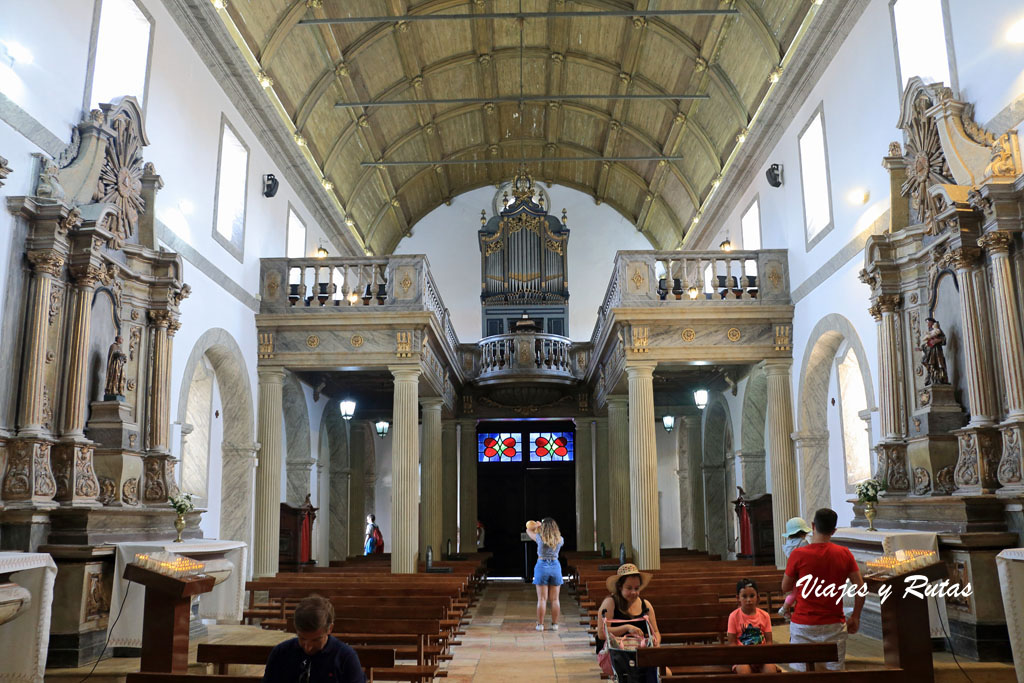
[[500, 447], [551, 447]]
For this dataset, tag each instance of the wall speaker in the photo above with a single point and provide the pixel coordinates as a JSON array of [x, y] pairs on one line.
[[774, 175], [270, 185]]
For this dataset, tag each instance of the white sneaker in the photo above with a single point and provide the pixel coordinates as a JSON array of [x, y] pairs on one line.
[[540, 627], [554, 627]]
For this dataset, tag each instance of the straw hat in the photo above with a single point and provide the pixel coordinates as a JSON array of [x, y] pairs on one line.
[[627, 570], [796, 525]]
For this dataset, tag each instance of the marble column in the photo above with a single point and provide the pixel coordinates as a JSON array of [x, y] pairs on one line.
[[158, 464], [405, 452], [698, 535], [618, 474], [891, 449], [46, 265], [360, 439], [980, 445], [340, 522], [643, 468], [752, 473], [449, 486], [238, 477], [268, 473], [783, 462], [602, 494], [467, 486], [812, 462], [683, 475], [717, 508], [1010, 340], [431, 496], [584, 456]]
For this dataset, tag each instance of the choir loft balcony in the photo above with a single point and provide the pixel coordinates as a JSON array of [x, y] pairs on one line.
[[526, 356]]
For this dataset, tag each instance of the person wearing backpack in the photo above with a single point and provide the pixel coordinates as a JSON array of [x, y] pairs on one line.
[[374, 542]]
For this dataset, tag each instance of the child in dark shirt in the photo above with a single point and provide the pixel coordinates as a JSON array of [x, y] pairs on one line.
[[750, 625]]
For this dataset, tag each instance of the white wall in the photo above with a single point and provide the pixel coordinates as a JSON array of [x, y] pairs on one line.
[[668, 486], [448, 236]]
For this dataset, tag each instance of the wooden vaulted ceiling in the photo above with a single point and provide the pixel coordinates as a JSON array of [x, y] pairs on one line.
[[314, 66]]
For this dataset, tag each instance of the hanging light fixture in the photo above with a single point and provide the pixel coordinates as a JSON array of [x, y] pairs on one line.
[[668, 422], [382, 428], [726, 245], [700, 397], [321, 251], [348, 408]]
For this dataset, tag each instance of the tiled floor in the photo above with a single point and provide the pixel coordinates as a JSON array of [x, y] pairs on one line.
[[501, 644]]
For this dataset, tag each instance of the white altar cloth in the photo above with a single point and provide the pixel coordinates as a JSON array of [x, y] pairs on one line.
[[225, 601], [1010, 565], [25, 640]]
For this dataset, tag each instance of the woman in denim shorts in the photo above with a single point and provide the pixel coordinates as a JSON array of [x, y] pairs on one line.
[[547, 574]]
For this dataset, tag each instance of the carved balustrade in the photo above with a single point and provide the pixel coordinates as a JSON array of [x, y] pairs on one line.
[[525, 355]]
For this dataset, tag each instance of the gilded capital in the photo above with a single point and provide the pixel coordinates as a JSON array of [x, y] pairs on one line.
[[46, 261], [888, 302], [961, 258], [996, 242], [87, 275], [160, 318], [875, 310], [173, 326]]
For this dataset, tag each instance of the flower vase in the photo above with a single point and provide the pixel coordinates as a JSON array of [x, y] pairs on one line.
[[179, 525], [869, 512]]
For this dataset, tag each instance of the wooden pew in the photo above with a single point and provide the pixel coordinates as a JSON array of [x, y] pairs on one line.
[[678, 658], [378, 662]]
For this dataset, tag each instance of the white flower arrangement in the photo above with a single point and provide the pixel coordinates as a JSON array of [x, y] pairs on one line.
[[868, 490], [182, 503]]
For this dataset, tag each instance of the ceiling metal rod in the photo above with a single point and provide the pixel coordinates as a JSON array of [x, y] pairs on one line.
[[513, 98], [520, 15], [535, 160]]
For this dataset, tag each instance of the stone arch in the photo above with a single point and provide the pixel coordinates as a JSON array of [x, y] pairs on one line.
[[829, 335], [298, 453], [752, 451], [717, 437], [217, 348], [334, 445]]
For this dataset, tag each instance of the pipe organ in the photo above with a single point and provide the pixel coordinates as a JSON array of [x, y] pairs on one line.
[[523, 270]]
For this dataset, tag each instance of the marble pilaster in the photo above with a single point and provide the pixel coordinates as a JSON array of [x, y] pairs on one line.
[[339, 544], [268, 473], [467, 486], [715, 502], [752, 474], [785, 502], [812, 461], [449, 485], [618, 474], [683, 474], [297, 480], [584, 456], [643, 467], [46, 264], [602, 495], [238, 475], [431, 498], [360, 440], [405, 451], [698, 532]]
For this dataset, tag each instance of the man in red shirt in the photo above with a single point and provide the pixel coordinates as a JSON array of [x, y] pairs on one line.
[[819, 572]]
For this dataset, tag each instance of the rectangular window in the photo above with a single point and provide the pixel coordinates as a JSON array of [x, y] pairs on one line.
[[500, 447], [921, 45], [296, 247], [551, 447], [121, 53], [814, 180], [232, 182]]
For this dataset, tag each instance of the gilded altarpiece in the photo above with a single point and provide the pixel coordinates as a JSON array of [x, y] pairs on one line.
[[87, 439], [946, 295]]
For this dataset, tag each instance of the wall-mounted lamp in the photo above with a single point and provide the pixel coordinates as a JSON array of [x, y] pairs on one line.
[[382, 427], [858, 195], [270, 185], [668, 422], [692, 292], [726, 245], [321, 252], [347, 408], [774, 175], [700, 397]]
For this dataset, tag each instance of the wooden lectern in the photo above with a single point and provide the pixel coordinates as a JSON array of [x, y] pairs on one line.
[[165, 623], [906, 638]]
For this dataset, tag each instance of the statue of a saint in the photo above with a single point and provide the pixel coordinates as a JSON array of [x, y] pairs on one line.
[[113, 390], [932, 357]]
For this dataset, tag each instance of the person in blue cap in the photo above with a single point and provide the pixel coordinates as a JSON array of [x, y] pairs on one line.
[[796, 536]]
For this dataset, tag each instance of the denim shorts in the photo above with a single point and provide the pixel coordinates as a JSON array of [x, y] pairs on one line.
[[547, 573]]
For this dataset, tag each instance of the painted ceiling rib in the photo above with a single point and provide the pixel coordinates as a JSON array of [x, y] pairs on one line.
[[522, 15], [524, 98]]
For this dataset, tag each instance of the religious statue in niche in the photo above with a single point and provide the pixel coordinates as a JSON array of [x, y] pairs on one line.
[[113, 390], [932, 357]]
